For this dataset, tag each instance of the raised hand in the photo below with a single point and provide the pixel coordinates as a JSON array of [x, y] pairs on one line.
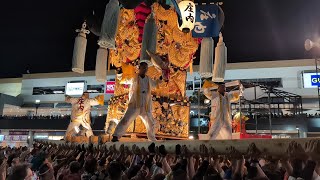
[[152, 148], [137, 150], [162, 150], [295, 151], [121, 148], [213, 153], [127, 151], [234, 154], [204, 150], [178, 150], [312, 149], [185, 151], [253, 152], [143, 151]]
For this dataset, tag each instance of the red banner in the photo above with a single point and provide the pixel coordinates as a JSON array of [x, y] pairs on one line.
[[110, 85]]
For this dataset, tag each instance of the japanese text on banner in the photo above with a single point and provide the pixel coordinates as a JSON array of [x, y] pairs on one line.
[[207, 22]]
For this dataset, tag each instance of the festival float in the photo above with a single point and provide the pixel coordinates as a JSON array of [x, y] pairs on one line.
[[166, 36]]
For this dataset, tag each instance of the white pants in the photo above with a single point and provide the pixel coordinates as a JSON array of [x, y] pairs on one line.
[[71, 131], [130, 116], [220, 131]]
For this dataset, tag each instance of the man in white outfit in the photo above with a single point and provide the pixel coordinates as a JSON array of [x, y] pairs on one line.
[[80, 115], [140, 104], [220, 119]]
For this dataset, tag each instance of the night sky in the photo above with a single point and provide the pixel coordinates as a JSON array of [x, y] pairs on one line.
[[39, 35]]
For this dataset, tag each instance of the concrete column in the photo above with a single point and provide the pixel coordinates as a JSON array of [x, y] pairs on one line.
[[303, 134], [31, 138], [1, 107]]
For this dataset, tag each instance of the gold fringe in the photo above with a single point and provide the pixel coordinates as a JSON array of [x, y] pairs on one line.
[[109, 62], [100, 99], [191, 67]]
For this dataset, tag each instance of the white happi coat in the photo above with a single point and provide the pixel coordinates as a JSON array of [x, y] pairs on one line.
[[140, 104], [220, 117], [80, 114], [139, 99]]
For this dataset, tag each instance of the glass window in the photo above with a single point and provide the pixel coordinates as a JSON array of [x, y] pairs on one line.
[[48, 90], [273, 82], [197, 84], [189, 85], [95, 88]]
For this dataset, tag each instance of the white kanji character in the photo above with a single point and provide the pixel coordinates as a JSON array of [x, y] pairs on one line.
[[206, 15], [199, 28]]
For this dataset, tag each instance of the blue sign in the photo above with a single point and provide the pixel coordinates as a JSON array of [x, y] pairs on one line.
[[207, 21], [315, 80]]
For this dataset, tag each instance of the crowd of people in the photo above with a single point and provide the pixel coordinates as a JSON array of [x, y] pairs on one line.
[[46, 161], [273, 115], [67, 116], [35, 117], [41, 117]]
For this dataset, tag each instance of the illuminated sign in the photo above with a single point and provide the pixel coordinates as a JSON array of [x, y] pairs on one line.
[[311, 80], [18, 133], [15, 138], [315, 80], [110, 85], [75, 88]]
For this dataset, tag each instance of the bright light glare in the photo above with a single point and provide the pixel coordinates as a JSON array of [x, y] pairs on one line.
[[191, 137], [207, 101], [77, 129]]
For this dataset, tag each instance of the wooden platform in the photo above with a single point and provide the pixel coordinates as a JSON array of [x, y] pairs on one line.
[[240, 136], [132, 137], [126, 138]]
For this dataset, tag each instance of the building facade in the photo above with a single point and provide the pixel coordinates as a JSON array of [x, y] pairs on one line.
[[44, 94]]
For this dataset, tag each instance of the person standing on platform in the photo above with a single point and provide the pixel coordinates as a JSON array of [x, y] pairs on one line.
[[220, 126], [80, 114], [140, 104]]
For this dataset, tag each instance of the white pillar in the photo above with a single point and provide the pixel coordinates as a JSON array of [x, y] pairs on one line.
[[31, 138]]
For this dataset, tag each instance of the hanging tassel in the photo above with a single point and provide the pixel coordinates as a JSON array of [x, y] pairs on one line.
[[101, 64], [110, 25], [79, 49], [149, 40], [191, 67], [206, 57], [220, 61], [109, 63]]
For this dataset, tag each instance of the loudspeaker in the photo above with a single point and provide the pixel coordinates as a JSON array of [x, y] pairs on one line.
[[308, 44]]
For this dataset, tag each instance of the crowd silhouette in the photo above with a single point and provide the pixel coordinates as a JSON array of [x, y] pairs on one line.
[[47, 161]]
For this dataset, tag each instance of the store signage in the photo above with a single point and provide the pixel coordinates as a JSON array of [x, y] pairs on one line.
[[15, 138], [315, 80], [110, 85], [18, 133], [311, 80], [75, 88]]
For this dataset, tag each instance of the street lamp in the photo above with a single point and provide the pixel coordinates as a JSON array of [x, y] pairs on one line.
[[308, 45], [297, 128], [37, 102]]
